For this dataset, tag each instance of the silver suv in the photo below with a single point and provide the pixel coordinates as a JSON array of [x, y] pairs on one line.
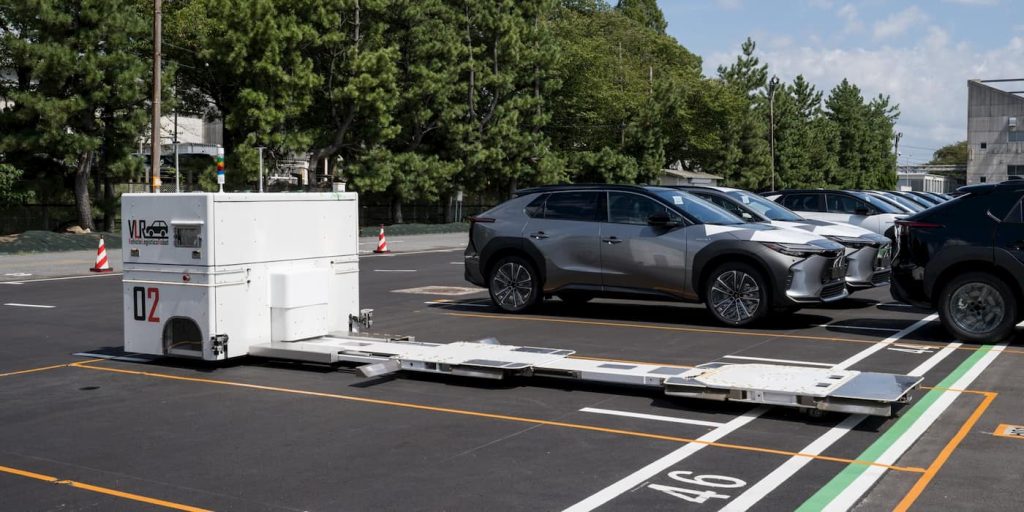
[[653, 243]]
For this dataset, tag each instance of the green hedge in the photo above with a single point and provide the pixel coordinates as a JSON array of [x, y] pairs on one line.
[[48, 241], [415, 229]]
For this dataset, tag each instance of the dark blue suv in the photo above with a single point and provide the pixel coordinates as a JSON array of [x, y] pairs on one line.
[[965, 258]]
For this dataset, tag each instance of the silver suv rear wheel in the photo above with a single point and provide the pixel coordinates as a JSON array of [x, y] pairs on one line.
[[513, 284]]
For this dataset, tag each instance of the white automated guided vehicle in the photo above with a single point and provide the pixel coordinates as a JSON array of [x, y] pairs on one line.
[[217, 276]]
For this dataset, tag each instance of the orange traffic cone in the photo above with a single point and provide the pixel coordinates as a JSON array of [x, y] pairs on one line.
[[102, 265], [382, 243]]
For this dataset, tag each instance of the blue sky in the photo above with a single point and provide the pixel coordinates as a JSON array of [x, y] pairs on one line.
[[920, 53]]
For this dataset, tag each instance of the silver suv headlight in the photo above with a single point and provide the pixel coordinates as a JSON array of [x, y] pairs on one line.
[[796, 250], [854, 242]]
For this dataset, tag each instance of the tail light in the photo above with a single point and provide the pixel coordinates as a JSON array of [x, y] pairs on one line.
[[918, 224], [484, 220]]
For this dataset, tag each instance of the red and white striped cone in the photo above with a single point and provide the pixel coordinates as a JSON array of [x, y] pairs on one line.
[[102, 264], [382, 243]]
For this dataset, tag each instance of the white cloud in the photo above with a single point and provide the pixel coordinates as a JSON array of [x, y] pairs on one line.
[[849, 14], [900, 22], [927, 78], [972, 2], [731, 5]]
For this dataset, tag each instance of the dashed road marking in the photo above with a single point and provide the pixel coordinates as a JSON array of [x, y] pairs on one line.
[[655, 417]]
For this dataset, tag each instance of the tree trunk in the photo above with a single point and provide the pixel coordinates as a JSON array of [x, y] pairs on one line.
[[108, 200], [449, 211], [82, 202], [396, 210]]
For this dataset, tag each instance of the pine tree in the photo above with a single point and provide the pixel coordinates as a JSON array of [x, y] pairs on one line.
[[745, 157], [78, 100], [645, 12]]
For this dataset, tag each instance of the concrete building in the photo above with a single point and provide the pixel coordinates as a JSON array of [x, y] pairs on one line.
[[995, 137], [677, 174], [930, 178]]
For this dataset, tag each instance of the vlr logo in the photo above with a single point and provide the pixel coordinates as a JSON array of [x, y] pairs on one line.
[[140, 296], [147, 233]]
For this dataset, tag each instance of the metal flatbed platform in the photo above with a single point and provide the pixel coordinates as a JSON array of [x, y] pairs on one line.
[[816, 389]]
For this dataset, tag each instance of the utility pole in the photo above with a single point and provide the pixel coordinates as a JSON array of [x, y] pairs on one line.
[[177, 168], [261, 168], [154, 143], [896, 148], [772, 84]]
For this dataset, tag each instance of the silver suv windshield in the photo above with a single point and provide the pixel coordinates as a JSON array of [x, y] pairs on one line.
[[876, 202], [770, 209], [699, 209]]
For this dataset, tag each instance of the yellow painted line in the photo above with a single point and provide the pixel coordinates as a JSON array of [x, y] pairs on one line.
[[943, 456], [44, 368], [1003, 428], [101, 490], [759, 334], [463, 412]]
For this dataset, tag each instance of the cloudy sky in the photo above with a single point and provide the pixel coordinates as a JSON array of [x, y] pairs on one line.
[[920, 53]]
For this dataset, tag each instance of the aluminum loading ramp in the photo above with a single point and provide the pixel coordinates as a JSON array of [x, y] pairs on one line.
[[817, 389]]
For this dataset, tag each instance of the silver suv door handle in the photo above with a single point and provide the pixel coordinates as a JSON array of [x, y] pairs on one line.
[[612, 240], [538, 235]]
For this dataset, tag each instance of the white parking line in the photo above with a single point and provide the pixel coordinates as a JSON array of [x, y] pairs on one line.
[[867, 479], [65, 278], [857, 327], [631, 481], [449, 303], [786, 361], [781, 474], [641, 475], [655, 417], [863, 354], [19, 305]]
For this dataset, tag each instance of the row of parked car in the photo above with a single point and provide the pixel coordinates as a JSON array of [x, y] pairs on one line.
[[746, 255]]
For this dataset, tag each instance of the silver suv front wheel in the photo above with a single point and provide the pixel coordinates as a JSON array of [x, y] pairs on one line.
[[513, 284], [736, 294]]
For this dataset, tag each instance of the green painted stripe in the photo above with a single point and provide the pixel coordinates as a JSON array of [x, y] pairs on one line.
[[840, 482]]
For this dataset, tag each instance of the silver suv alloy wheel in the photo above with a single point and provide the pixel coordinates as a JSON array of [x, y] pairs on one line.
[[735, 296], [512, 285], [977, 307]]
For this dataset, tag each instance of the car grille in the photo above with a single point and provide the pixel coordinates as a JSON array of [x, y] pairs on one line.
[[881, 277], [832, 290], [835, 268], [884, 257]]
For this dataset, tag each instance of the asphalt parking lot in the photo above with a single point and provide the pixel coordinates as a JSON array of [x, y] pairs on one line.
[[84, 433]]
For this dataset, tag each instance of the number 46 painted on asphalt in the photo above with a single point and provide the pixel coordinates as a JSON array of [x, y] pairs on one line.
[[139, 298], [695, 496]]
